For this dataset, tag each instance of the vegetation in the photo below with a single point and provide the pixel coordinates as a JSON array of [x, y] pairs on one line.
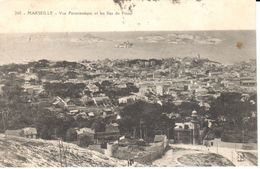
[[145, 115], [234, 112], [65, 89]]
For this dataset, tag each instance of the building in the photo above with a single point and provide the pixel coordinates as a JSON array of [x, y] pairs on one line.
[[102, 100], [127, 99], [160, 89], [28, 132], [93, 88], [188, 132], [248, 81], [59, 102], [161, 138], [145, 88], [85, 136], [111, 133], [17, 133], [1, 89], [183, 133], [196, 128]]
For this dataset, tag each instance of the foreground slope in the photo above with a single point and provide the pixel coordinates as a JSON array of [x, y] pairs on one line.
[[22, 152]]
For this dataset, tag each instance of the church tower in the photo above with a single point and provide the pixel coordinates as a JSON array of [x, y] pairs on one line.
[[196, 127]]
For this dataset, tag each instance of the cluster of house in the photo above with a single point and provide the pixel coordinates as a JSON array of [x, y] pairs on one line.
[[87, 136], [190, 132], [81, 136], [180, 78], [111, 143]]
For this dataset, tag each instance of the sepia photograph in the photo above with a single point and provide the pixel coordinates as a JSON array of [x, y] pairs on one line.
[[129, 83]]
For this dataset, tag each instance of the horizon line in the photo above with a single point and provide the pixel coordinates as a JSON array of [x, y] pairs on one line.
[[123, 31], [124, 59]]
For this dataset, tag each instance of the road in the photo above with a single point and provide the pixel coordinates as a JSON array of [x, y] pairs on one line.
[[171, 156]]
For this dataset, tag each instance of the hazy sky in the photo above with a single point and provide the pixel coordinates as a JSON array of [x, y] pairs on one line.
[[222, 46], [19, 44]]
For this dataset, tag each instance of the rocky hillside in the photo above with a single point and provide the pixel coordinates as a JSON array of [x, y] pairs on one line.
[[22, 152]]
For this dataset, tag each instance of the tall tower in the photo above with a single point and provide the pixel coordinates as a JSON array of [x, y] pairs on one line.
[[196, 127]]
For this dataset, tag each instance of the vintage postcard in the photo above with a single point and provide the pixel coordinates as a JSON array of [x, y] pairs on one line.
[[128, 83]]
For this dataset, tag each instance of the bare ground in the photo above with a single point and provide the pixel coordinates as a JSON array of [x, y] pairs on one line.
[[203, 160], [22, 152], [179, 157]]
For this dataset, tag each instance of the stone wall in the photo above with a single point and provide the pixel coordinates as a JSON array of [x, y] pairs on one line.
[[96, 148], [155, 151], [219, 143]]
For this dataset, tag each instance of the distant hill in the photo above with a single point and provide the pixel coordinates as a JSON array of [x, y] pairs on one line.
[[22, 152]]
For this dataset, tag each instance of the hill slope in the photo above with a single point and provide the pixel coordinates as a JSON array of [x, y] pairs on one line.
[[22, 152]]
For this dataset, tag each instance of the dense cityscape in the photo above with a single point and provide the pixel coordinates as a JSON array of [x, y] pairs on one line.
[[127, 108]]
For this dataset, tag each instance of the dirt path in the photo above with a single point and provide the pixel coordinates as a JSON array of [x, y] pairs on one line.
[[228, 153], [179, 156], [170, 159]]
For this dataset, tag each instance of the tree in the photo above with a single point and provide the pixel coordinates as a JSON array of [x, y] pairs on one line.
[[99, 125], [186, 108], [230, 106], [65, 89], [52, 125], [141, 115]]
